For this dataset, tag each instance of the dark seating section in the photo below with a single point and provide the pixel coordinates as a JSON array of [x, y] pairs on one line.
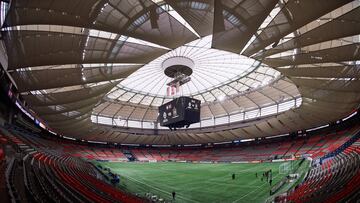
[[42, 174], [95, 153], [3, 190], [316, 145], [336, 179]]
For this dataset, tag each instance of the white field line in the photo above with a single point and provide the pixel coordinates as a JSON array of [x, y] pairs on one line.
[[253, 190], [225, 184], [156, 188]]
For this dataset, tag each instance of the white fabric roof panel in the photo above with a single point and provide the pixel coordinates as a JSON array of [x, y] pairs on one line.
[[110, 110], [217, 109], [151, 115], [212, 70]]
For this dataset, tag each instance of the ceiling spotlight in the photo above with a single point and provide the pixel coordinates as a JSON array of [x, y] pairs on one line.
[[221, 98], [265, 82]]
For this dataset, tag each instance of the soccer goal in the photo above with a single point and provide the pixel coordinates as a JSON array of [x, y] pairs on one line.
[[286, 168]]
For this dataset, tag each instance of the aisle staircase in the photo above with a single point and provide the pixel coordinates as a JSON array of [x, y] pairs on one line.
[[129, 155]]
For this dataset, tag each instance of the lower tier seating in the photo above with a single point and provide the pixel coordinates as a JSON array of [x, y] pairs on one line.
[[49, 175], [336, 179]]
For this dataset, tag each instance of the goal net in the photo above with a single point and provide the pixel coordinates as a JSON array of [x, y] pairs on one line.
[[286, 168]]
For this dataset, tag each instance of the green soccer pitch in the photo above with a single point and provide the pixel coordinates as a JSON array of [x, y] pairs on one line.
[[197, 182]]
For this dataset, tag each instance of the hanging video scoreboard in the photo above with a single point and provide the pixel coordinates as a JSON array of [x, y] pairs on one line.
[[180, 112]]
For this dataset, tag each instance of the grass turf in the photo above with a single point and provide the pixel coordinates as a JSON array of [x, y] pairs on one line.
[[197, 182]]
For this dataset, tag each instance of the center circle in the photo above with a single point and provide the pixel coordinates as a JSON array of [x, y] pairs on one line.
[[178, 65]]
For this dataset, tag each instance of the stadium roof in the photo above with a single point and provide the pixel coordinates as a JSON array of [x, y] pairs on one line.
[[261, 67]]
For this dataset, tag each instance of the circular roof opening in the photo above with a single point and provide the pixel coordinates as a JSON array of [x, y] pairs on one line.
[[178, 65], [214, 74]]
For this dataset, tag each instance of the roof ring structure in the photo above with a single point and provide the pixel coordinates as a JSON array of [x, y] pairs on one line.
[[210, 69], [175, 65]]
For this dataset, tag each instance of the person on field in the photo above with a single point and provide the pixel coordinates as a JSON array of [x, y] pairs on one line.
[[173, 195], [233, 176]]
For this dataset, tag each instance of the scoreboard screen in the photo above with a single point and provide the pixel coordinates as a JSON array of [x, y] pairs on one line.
[[180, 112]]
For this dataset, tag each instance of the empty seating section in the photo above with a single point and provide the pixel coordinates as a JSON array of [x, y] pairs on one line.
[[52, 175], [316, 146], [283, 148], [309, 145], [95, 153], [139, 155], [3, 189], [337, 179], [331, 141]]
